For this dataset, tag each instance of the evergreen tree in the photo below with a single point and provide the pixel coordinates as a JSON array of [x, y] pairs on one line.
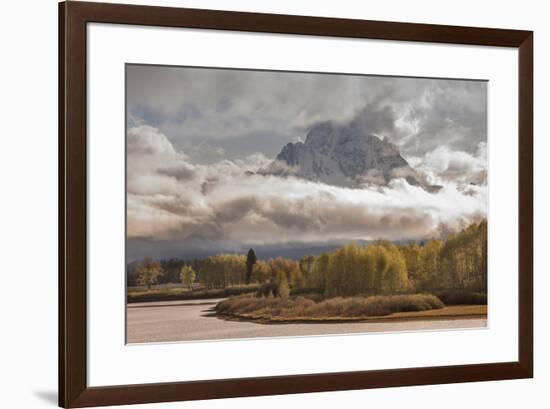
[[250, 261]]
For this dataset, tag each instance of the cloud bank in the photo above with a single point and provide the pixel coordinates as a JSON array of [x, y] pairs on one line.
[[222, 205]]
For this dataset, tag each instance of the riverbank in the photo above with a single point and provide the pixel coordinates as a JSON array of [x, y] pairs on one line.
[[453, 312], [184, 294]]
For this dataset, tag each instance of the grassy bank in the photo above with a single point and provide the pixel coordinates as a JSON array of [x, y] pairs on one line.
[[334, 309], [182, 294], [447, 312], [462, 297]]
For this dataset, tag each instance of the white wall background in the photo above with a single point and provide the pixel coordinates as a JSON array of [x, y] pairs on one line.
[[28, 205]]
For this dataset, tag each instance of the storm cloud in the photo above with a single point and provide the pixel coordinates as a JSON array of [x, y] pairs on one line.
[[214, 114]]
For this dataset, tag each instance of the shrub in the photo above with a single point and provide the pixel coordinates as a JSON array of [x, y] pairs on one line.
[[305, 308], [266, 289]]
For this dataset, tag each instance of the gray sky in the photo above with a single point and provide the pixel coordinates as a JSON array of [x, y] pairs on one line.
[[195, 134], [243, 112]]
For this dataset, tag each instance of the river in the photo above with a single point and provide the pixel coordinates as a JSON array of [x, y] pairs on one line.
[[191, 320]]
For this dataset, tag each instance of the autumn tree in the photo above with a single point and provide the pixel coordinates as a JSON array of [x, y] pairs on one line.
[[148, 272], [463, 258], [396, 279], [380, 261], [187, 276], [297, 279], [283, 289], [319, 271], [284, 274], [223, 270], [261, 272], [280, 264], [411, 254], [430, 272], [306, 266]]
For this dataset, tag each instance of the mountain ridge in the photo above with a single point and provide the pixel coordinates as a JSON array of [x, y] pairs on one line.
[[344, 155]]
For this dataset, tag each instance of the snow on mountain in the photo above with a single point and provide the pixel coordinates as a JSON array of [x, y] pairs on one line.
[[344, 155]]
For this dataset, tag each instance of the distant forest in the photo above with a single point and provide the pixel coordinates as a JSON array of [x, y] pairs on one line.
[[458, 261]]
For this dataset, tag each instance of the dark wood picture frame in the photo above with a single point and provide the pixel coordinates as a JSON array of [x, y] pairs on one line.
[[73, 388]]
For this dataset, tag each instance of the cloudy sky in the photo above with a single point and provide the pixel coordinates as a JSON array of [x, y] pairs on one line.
[[195, 137]]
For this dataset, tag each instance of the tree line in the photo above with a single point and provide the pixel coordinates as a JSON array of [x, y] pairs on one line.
[[458, 261]]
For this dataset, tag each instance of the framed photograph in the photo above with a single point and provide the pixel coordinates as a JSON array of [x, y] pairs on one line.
[[255, 204]]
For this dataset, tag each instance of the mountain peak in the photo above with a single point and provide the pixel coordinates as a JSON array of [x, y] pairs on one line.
[[343, 155]]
